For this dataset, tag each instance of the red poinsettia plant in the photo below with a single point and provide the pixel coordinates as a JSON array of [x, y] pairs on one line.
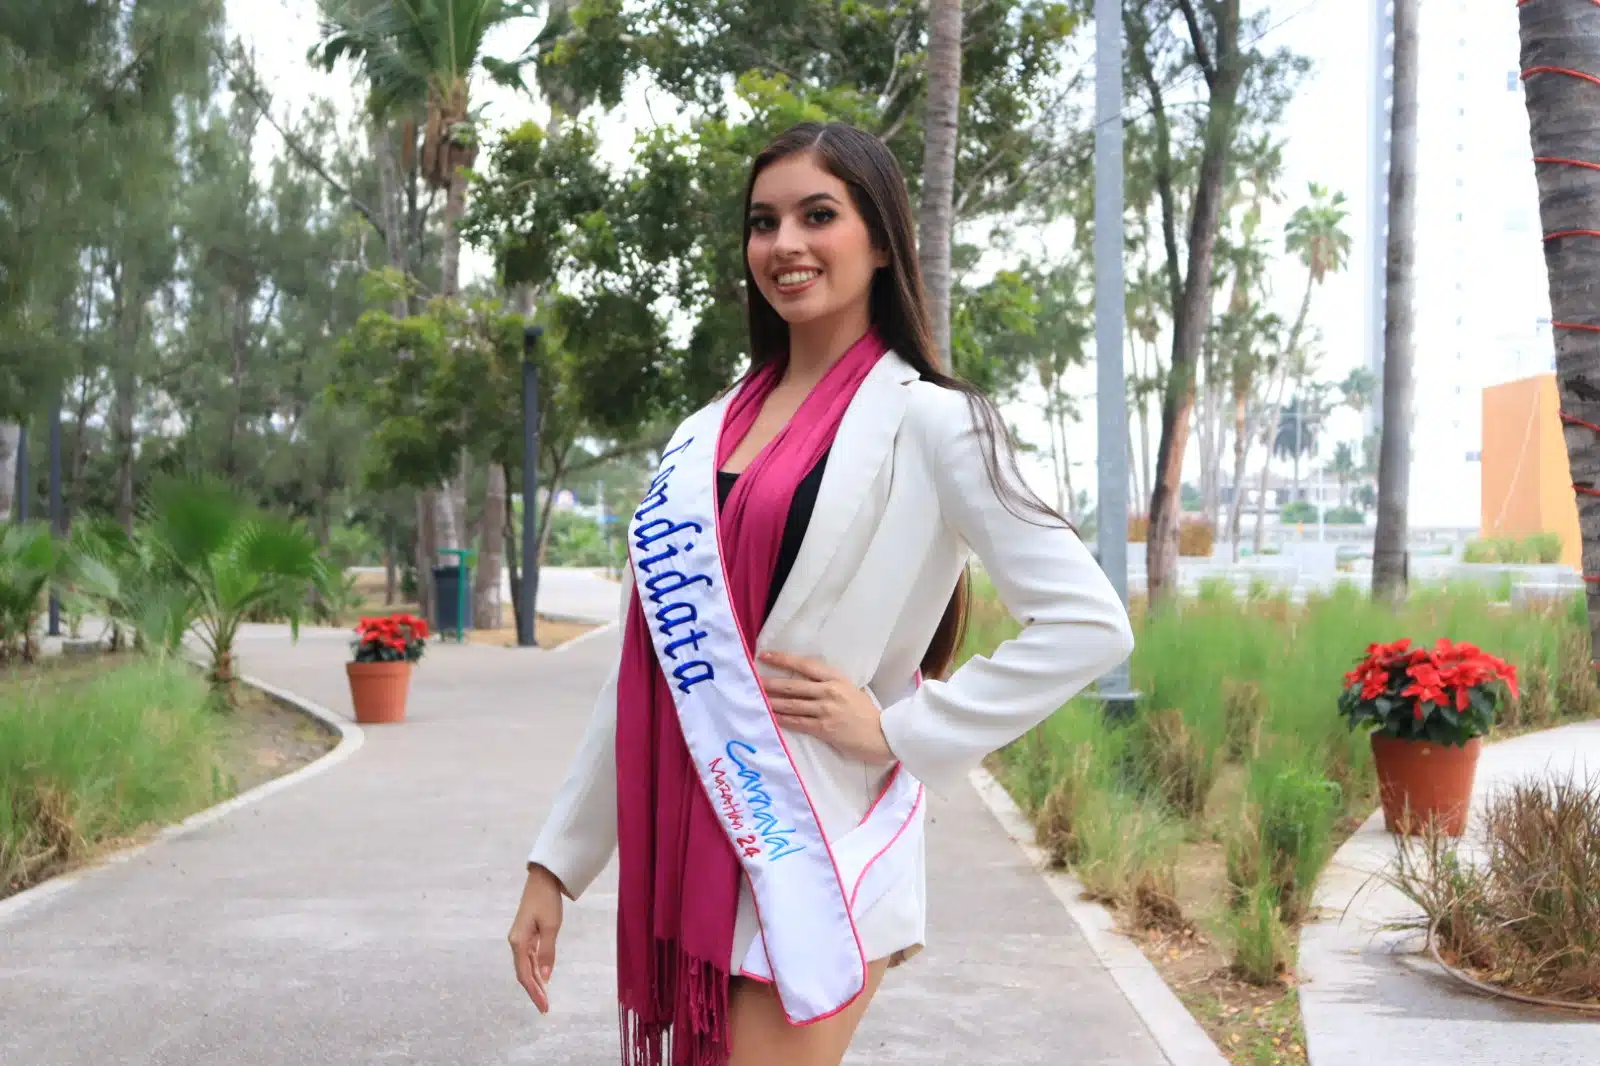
[[1446, 694], [391, 639]]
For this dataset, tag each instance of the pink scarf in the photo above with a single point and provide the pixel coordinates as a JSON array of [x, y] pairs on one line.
[[674, 943]]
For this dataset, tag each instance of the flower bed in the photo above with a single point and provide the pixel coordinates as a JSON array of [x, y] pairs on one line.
[[1206, 820]]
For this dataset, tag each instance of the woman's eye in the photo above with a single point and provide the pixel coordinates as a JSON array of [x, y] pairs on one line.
[[760, 224], [822, 216]]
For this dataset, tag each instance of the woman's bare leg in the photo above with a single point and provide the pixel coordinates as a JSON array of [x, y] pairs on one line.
[[762, 1036]]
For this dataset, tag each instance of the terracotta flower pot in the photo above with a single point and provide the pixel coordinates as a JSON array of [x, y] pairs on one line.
[[1419, 780], [379, 690]]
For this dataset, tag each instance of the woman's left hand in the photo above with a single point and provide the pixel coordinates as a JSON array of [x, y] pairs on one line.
[[820, 701]]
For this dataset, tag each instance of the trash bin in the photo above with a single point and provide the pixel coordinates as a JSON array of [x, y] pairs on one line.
[[447, 608]]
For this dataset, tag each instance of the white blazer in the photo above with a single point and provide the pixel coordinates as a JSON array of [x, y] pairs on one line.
[[905, 500]]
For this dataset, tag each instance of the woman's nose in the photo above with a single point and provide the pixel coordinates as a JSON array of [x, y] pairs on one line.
[[788, 240]]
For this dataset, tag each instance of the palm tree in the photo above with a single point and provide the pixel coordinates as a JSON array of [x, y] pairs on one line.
[[1344, 469], [419, 57], [29, 560], [1394, 461], [203, 561], [1296, 437], [935, 217], [1315, 232]]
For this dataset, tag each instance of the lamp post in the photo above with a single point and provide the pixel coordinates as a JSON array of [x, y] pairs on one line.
[[1111, 385], [527, 594], [58, 514], [24, 486]]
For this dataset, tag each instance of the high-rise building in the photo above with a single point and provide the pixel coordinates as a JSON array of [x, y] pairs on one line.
[[1482, 301]]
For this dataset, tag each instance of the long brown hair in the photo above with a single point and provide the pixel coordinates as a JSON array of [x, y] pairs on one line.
[[898, 308]]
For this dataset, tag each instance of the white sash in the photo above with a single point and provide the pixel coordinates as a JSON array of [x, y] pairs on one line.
[[806, 887]]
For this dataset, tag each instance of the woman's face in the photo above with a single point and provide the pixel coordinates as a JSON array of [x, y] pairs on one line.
[[809, 249]]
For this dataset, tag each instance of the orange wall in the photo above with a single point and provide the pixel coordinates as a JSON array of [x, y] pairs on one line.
[[1527, 487]]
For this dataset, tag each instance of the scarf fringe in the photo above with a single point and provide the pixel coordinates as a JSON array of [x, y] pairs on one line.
[[686, 1024]]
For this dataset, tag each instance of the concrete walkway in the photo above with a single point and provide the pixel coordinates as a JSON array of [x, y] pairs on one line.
[[360, 915], [1370, 995]]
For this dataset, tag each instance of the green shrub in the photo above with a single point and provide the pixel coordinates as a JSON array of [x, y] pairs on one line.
[[576, 540], [1296, 808], [1576, 694], [1546, 547], [1126, 847], [29, 561], [1261, 944], [1297, 512], [88, 759], [1522, 551], [1243, 712], [353, 545], [1175, 762]]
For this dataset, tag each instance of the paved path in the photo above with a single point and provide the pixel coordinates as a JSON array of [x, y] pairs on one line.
[[1375, 996], [360, 916]]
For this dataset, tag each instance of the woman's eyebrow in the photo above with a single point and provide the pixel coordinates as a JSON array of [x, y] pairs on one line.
[[816, 197]]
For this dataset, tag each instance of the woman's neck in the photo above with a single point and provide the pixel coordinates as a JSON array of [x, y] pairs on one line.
[[815, 346]]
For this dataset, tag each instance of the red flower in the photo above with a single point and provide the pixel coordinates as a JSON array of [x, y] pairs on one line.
[[1426, 687]]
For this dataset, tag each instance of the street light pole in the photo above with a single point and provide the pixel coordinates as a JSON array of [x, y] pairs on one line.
[[527, 594], [24, 486], [1111, 385], [58, 514]]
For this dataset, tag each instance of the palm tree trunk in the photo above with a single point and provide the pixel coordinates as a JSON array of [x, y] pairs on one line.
[[935, 217], [1394, 461], [1560, 113], [455, 206], [1269, 420], [1218, 435], [1241, 452]]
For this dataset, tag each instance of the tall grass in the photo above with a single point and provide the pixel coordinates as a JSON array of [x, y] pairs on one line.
[[1244, 689], [88, 757]]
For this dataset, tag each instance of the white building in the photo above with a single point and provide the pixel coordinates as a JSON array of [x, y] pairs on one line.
[[1482, 302]]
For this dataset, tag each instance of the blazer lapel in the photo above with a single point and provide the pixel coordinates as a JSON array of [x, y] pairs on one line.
[[865, 438]]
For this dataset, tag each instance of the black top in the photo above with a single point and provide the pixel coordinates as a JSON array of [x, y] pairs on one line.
[[794, 526]]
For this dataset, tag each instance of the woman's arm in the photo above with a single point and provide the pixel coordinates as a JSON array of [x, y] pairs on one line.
[[580, 834], [1074, 626]]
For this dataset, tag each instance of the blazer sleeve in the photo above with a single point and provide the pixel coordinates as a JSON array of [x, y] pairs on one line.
[[580, 834], [1075, 627]]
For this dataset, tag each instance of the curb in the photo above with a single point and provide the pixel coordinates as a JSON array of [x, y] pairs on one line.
[[1180, 1038], [351, 737], [599, 631]]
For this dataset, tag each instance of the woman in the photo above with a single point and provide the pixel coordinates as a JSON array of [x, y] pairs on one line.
[[794, 600]]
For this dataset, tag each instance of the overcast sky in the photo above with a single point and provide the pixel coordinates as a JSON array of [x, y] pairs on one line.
[[1326, 142]]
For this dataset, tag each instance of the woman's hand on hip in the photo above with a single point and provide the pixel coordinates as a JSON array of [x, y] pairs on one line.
[[823, 703], [533, 934]]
